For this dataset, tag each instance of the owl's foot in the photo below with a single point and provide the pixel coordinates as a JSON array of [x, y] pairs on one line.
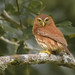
[[46, 51]]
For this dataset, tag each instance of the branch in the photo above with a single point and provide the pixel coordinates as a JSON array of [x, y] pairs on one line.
[[8, 41], [9, 19], [17, 44], [19, 13], [64, 60]]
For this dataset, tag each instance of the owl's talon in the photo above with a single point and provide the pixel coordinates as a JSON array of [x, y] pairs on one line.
[[46, 51]]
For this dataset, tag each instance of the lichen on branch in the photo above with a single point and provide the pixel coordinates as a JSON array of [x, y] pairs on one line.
[[64, 60]]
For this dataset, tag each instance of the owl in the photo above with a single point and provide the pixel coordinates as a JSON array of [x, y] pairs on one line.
[[48, 36]]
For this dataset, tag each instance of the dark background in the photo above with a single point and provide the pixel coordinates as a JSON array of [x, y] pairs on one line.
[[24, 12]]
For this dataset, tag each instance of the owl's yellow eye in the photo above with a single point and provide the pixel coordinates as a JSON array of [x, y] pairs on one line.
[[46, 20], [39, 19]]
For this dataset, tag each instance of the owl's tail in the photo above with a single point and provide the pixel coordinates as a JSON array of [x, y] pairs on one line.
[[68, 52]]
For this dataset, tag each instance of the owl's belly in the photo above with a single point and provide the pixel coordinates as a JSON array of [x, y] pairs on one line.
[[48, 44]]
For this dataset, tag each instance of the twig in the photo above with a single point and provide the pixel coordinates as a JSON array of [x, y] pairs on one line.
[[2, 19], [8, 41], [16, 44], [19, 13], [9, 19], [40, 58]]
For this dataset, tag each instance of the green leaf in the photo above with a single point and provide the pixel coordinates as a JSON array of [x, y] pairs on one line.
[[20, 48], [67, 30], [35, 7], [2, 6], [64, 24], [72, 36], [10, 5], [28, 33], [34, 4], [3, 48], [12, 32], [1, 31]]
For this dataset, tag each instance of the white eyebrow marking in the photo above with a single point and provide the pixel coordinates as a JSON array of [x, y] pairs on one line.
[[40, 19], [45, 18]]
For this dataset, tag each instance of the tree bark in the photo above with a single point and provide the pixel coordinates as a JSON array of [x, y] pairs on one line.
[[64, 60]]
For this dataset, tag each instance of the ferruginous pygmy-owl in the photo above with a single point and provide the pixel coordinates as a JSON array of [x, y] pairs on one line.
[[48, 36]]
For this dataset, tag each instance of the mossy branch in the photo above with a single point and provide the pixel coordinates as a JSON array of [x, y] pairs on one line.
[[64, 60]]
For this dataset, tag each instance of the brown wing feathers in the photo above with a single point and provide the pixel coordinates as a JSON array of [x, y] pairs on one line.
[[57, 38]]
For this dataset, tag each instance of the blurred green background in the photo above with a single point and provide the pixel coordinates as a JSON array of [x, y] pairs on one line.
[[16, 22]]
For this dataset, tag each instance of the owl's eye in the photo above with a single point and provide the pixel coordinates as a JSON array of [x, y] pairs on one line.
[[39, 20], [46, 20]]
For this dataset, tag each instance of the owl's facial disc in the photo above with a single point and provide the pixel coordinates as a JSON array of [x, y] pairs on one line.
[[40, 21], [43, 22]]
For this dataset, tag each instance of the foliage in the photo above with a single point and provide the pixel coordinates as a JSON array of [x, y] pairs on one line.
[[16, 21]]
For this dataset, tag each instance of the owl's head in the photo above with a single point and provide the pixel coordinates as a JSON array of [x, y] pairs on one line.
[[43, 20]]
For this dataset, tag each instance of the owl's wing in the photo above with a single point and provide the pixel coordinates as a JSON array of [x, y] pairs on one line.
[[52, 36]]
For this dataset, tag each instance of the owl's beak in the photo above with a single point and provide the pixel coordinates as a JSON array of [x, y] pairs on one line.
[[43, 24]]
